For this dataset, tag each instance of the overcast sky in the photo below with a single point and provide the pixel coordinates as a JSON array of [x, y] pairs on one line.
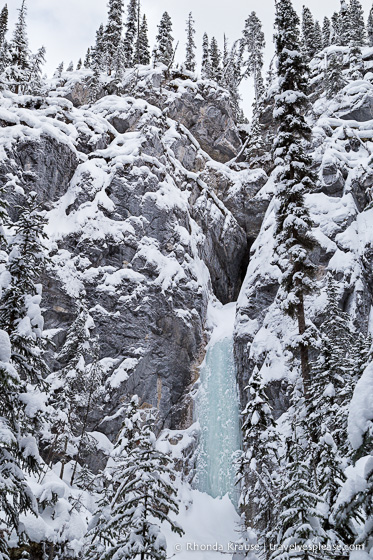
[[67, 27]]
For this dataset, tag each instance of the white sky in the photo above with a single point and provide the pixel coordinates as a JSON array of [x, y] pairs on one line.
[[67, 27]]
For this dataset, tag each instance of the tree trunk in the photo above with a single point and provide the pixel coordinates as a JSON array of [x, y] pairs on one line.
[[304, 359]]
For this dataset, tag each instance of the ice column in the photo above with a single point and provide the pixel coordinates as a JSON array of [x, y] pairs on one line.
[[218, 415]]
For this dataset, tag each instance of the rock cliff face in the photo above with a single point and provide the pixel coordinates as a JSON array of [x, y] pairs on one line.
[[143, 224]]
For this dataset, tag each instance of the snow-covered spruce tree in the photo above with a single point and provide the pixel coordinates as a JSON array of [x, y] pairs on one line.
[[19, 69], [308, 33], [344, 24], [205, 67], [190, 56], [164, 51], [3, 24], [370, 28], [113, 33], [356, 39], [88, 59], [298, 528], [253, 42], [357, 32], [335, 38], [20, 310], [35, 83], [143, 43], [139, 495], [58, 71], [232, 76], [74, 390], [294, 242], [17, 455], [98, 53], [326, 33], [318, 37], [215, 60], [255, 147], [332, 381], [333, 76], [258, 463], [70, 67], [79, 64], [131, 28]]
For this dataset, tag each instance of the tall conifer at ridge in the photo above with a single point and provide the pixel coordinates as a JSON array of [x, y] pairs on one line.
[[215, 60], [326, 33], [308, 33], [131, 29], [318, 37], [356, 39], [113, 33], [205, 67], [293, 239], [253, 42], [3, 24], [190, 56], [143, 43], [19, 53], [164, 51], [370, 28], [98, 54], [357, 32]]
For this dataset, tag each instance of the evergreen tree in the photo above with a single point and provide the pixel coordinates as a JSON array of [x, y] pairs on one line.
[[232, 76], [98, 54], [326, 33], [163, 51], [74, 390], [15, 459], [113, 33], [255, 147], [335, 38], [19, 53], [298, 526], [79, 65], [144, 49], [344, 24], [308, 33], [253, 41], [215, 60], [256, 467], [139, 496], [131, 27], [70, 67], [35, 82], [206, 67], [59, 70], [333, 77], [318, 37], [88, 58], [3, 24], [293, 239], [370, 28], [332, 384], [190, 57], [357, 33], [20, 312]]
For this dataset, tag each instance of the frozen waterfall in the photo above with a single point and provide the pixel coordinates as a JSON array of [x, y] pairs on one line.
[[218, 410]]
